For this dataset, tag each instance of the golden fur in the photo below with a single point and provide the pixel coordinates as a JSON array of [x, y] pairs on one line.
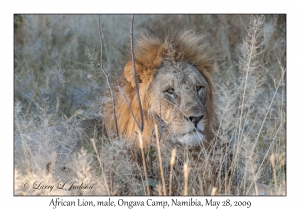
[[151, 49]]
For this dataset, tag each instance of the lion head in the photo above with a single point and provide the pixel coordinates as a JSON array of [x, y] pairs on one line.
[[176, 90]]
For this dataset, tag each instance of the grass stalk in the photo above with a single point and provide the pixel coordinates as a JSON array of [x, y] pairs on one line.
[[141, 125], [107, 80], [213, 191], [144, 163], [186, 171], [272, 160], [160, 161], [172, 163], [101, 165]]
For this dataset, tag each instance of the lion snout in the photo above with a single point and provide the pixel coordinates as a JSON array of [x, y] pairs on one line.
[[195, 120], [198, 121]]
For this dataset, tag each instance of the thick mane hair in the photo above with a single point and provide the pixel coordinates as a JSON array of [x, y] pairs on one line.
[[151, 48]]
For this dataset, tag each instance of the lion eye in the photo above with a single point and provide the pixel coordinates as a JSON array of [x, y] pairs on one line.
[[198, 87], [170, 90]]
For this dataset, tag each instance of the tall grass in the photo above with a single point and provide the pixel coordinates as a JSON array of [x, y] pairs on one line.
[[57, 55]]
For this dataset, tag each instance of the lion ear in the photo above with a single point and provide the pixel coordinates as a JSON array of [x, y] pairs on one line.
[[128, 72]]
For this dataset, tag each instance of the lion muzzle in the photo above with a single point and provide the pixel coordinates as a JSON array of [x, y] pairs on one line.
[[196, 120]]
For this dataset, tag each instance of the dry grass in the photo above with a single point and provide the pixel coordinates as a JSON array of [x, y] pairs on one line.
[[55, 57]]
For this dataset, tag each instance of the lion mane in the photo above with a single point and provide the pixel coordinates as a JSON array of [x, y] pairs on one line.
[[151, 49]]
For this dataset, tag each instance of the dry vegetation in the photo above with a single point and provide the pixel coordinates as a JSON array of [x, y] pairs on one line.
[[58, 80]]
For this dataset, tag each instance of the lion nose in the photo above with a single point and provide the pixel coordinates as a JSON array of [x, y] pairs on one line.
[[195, 120]]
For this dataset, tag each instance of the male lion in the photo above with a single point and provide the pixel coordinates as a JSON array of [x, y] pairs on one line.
[[176, 91], [174, 72]]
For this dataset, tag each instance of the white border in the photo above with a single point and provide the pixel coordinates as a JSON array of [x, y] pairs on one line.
[[254, 6]]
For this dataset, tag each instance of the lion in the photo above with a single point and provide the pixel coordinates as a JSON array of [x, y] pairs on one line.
[[173, 70]]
